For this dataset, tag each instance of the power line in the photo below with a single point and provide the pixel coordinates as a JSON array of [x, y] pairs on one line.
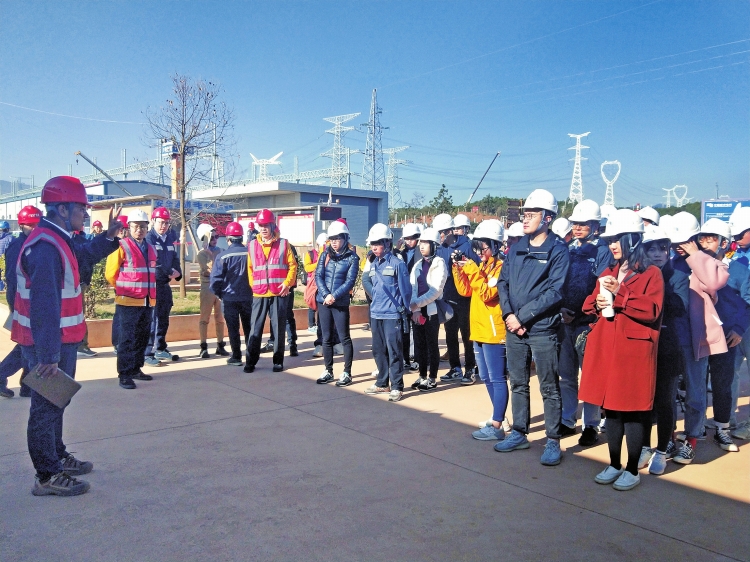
[[71, 116]]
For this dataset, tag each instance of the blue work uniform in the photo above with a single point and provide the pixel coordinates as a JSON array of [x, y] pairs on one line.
[[167, 259], [229, 282]]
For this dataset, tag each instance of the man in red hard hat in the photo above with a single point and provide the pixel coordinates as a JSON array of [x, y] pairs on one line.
[[165, 240], [28, 218], [272, 272], [48, 323]]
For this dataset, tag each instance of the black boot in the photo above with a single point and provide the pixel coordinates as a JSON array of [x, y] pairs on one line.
[[220, 349], [293, 350], [204, 351]]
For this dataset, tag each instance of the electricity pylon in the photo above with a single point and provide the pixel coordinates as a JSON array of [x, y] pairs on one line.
[[576, 184], [373, 172], [263, 163], [609, 196], [339, 154], [391, 179]]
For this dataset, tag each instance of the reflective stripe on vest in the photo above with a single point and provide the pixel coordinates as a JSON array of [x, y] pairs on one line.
[[72, 325], [269, 273], [136, 279]]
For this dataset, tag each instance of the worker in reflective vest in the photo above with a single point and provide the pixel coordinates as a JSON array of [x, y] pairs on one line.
[[272, 272], [48, 323], [132, 271]]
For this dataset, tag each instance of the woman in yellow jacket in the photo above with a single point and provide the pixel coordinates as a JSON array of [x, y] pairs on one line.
[[487, 328]]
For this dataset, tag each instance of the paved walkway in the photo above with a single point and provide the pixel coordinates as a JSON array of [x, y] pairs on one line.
[[208, 463]]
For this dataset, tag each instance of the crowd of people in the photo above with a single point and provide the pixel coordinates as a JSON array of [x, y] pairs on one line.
[[631, 314]]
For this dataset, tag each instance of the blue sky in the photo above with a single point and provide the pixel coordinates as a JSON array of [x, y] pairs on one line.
[[663, 86]]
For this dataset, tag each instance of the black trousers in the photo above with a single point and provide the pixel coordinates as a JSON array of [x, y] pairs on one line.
[[236, 313], [274, 308], [426, 348], [291, 322], [157, 339], [134, 328], [460, 322], [334, 320]]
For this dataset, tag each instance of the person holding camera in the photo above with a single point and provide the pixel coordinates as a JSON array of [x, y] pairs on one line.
[[427, 281], [391, 298]]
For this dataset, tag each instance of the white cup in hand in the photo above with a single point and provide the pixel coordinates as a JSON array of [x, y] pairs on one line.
[[607, 312]]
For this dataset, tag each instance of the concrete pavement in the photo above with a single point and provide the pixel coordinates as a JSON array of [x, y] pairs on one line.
[[208, 463]]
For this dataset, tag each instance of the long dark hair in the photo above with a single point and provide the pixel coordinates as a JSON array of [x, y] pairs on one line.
[[634, 251]]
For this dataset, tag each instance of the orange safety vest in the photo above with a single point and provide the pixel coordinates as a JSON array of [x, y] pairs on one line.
[[268, 274], [137, 277], [72, 324]]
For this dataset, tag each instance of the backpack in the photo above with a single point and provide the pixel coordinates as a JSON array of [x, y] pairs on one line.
[[311, 289]]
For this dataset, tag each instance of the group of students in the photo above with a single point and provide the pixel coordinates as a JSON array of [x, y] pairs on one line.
[[631, 309]]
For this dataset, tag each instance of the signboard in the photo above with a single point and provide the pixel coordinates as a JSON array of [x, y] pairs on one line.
[[721, 208], [298, 229], [328, 213], [514, 210]]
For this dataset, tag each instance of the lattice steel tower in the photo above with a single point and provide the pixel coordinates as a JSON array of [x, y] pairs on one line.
[[576, 184], [391, 178], [373, 172], [339, 154], [609, 196]]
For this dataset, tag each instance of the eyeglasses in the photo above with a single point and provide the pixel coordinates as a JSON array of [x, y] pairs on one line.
[[531, 214]]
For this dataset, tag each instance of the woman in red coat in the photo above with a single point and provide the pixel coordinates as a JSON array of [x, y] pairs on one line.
[[619, 366]]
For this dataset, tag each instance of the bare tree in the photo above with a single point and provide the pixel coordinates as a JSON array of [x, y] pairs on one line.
[[417, 200], [196, 122]]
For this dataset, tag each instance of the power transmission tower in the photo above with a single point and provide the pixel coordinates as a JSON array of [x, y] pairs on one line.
[[576, 184], [684, 200], [262, 165], [391, 179], [373, 173], [339, 154], [609, 196], [668, 196]]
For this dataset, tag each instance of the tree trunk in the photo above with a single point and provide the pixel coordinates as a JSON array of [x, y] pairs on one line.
[[183, 224]]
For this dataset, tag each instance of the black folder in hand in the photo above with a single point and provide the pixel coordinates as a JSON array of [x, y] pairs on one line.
[[58, 388]]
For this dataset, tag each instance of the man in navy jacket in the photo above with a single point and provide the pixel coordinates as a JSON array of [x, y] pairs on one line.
[[531, 293]]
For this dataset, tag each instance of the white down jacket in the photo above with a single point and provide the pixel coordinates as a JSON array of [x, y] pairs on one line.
[[436, 277]]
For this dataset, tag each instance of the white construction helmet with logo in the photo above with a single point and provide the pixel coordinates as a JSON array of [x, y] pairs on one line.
[[718, 227], [649, 214], [430, 235], [561, 227], [490, 229], [443, 221], [515, 230], [587, 210], [541, 199], [336, 228], [138, 216], [379, 231], [461, 220], [411, 229], [682, 227], [651, 233], [623, 221], [740, 220], [202, 231]]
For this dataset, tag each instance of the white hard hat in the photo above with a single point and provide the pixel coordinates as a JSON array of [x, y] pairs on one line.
[[443, 221], [650, 214], [411, 229], [379, 231], [203, 230], [461, 220], [665, 221], [430, 235], [491, 229], [515, 230], [561, 227], [652, 232], [682, 227], [138, 216], [623, 221], [586, 210], [336, 228], [321, 239], [541, 199], [718, 227], [740, 220]]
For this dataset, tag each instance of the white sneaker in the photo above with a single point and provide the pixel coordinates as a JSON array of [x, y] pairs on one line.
[[374, 374], [608, 475], [395, 395], [626, 481], [505, 425], [645, 458]]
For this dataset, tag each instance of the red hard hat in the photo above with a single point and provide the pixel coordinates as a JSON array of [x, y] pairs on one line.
[[343, 220], [64, 189], [124, 220], [233, 229], [29, 216], [265, 217], [160, 213], [96, 223]]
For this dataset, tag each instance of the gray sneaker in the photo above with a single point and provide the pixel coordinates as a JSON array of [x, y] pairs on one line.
[[84, 351], [552, 454], [453, 375], [73, 467], [318, 351], [152, 361], [338, 349], [395, 395], [165, 355], [325, 378], [488, 433], [61, 484], [344, 380]]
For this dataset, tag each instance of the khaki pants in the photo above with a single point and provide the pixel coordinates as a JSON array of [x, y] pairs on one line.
[[209, 302]]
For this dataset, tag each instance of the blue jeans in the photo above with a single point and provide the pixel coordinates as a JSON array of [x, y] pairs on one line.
[[491, 363], [44, 432], [695, 392], [569, 365], [12, 363], [545, 349]]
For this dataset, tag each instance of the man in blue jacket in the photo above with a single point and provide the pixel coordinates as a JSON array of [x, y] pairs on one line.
[[163, 239], [531, 293], [391, 296], [455, 242], [230, 283]]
